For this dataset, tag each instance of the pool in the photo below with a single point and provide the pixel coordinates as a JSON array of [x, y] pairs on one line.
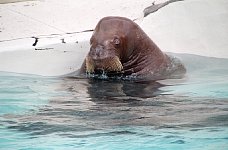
[[51, 113]]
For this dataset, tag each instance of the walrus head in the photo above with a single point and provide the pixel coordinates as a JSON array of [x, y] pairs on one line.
[[104, 55], [107, 46]]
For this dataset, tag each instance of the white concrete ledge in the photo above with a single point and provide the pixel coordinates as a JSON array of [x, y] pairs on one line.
[[190, 26]]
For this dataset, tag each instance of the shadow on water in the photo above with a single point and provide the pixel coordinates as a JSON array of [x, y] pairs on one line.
[[109, 90]]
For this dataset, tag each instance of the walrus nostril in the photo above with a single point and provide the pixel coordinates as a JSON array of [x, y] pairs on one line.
[[97, 52]]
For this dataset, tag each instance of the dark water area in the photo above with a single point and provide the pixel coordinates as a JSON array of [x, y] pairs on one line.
[[71, 113]]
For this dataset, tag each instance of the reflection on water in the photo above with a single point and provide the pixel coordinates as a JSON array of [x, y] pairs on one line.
[[71, 113]]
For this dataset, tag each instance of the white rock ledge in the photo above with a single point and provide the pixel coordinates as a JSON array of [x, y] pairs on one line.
[[190, 26]]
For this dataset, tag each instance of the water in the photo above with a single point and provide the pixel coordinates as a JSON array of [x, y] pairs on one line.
[[41, 113]]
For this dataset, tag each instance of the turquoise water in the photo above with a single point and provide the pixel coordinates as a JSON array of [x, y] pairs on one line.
[[41, 113]]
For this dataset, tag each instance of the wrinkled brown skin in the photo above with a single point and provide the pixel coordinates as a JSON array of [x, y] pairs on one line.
[[139, 55]]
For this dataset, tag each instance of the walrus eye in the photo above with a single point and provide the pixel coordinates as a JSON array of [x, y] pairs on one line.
[[116, 41]]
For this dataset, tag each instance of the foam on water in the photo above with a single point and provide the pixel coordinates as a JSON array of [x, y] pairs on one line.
[[69, 113]]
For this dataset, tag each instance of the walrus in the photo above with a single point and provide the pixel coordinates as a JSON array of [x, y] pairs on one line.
[[119, 47]]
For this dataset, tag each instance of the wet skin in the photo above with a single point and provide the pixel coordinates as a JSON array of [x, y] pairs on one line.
[[120, 47]]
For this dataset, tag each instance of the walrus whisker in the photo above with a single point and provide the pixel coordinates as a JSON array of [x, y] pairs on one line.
[[115, 64], [111, 64], [119, 66]]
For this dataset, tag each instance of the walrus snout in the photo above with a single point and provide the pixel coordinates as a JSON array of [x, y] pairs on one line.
[[109, 64], [98, 52], [103, 59]]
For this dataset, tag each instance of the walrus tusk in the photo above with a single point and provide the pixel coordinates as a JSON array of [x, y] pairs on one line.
[[89, 65]]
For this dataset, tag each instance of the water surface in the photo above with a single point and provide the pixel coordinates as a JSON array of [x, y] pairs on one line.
[[69, 113]]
